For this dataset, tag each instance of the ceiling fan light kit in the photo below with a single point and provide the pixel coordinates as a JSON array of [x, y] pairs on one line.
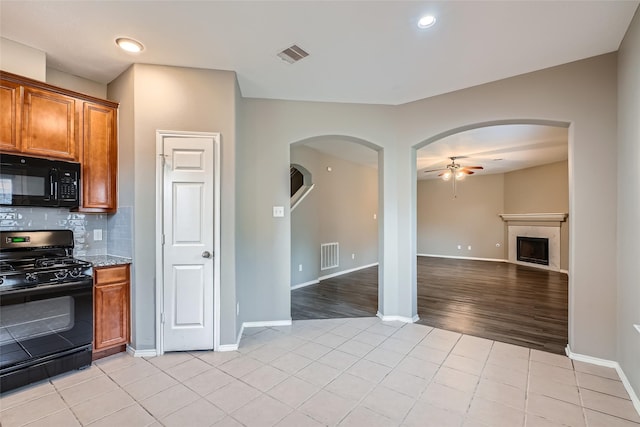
[[456, 171]]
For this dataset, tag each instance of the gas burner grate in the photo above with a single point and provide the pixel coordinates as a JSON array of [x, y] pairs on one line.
[[4, 267], [54, 262]]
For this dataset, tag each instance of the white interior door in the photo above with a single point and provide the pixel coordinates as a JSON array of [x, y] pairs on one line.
[[187, 318]]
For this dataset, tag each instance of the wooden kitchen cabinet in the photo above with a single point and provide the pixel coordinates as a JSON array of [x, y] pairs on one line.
[[99, 158], [10, 108], [41, 120], [111, 310], [49, 124]]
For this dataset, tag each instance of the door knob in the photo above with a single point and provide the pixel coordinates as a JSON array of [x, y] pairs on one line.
[[206, 254]]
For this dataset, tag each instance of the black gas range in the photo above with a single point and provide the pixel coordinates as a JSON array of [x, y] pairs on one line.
[[46, 307]]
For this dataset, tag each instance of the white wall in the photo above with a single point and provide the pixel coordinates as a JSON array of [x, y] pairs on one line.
[[629, 203]]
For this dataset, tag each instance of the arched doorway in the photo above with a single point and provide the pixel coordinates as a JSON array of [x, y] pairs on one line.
[[334, 228], [469, 280]]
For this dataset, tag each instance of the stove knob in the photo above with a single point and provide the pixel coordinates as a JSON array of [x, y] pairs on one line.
[[61, 274], [31, 277], [75, 272]]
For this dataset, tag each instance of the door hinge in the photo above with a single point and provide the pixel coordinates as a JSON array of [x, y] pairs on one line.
[[162, 318], [162, 242]]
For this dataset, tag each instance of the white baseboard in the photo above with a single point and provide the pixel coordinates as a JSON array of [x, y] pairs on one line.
[[464, 257], [329, 276], [609, 364], [404, 319], [228, 347], [141, 353], [266, 324], [234, 347], [302, 285]]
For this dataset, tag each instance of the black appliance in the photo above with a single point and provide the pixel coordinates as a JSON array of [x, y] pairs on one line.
[[46, 307], [32, 181]]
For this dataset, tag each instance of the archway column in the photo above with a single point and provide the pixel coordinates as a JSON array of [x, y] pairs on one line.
[[397, 274]]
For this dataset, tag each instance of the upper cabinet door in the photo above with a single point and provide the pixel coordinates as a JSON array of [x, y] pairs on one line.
[[49, 125], [10, 105], [99, 158]]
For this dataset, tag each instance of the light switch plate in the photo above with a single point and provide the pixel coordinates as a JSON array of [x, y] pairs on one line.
[[278, 211], [97, 234]]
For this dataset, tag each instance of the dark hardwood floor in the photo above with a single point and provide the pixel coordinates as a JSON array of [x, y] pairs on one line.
[[499, 301], [350, 295]]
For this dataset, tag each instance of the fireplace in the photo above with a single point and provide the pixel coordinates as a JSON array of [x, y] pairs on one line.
[[535, 227], [533, 249]]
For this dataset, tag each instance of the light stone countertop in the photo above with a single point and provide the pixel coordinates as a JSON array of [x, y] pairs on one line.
[[105, 260]]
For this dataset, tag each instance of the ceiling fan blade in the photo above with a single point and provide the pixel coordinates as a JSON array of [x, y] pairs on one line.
[[472, 167], [467, 172], [435, 170]]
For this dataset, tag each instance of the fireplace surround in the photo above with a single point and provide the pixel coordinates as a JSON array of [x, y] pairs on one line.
[[535, 226]]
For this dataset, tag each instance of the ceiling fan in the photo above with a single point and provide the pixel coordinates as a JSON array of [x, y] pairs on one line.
[[455, 170]]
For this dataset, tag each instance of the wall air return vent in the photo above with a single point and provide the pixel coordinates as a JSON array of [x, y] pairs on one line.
[[293, 54]]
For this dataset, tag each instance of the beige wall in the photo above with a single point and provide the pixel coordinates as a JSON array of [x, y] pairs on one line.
[[538, 190], [23, 60], [471, 219], [584, 94], [75, 83], [340, 208], [180, 99], [628, 205], [580, 94]]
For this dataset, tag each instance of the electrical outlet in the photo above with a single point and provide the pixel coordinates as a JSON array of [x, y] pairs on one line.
[[97, 234], [469, 247], [278, 211], [375, 216], [459, 246], [237, 309], [498, 245], [353, 256], [299, 267]]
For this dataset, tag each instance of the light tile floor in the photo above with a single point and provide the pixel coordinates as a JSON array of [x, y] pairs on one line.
[[349, 372]]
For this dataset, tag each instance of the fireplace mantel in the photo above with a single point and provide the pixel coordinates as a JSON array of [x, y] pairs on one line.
[[534, 217]]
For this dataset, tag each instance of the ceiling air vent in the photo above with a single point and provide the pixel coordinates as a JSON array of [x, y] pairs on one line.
[[293, 54]]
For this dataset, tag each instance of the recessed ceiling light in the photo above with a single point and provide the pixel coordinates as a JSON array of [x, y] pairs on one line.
[[130, 45], [426, 21]]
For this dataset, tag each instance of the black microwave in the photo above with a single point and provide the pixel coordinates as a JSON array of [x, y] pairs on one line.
[[32, 181]]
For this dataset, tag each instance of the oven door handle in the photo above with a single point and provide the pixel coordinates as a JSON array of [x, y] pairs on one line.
[[48, 287]]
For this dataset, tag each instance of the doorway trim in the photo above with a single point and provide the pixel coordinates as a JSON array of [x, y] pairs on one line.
[[159, 287]]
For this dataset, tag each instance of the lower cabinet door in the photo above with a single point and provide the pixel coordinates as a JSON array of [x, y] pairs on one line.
[[111, 307]]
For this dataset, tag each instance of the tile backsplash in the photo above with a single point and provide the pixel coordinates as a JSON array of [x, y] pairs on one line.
[[82, 225], [120, 232]]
